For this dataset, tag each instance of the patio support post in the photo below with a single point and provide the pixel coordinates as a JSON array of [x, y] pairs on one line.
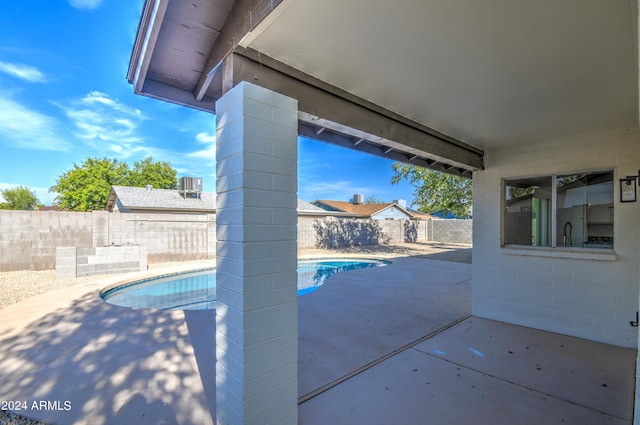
[[256, 225]]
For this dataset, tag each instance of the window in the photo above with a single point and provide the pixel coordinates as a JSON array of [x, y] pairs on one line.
[[573, 210]]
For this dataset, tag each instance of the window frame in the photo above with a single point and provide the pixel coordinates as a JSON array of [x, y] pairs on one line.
[[554, 246]]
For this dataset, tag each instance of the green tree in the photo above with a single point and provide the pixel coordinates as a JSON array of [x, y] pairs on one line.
[[159, 174], [86, 187], [19, 198], [435, 191]]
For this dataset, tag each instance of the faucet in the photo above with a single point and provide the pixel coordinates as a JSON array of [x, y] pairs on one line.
[[567, 238]]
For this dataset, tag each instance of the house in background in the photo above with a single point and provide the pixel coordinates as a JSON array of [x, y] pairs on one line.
[[396, 210], [127, 199]]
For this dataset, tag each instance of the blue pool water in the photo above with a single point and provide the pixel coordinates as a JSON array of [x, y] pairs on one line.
[[197, 290]]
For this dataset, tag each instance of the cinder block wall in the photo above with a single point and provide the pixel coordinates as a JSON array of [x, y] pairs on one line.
[[555, 289], [390, 231], [451, 231], [167, 237], [28, 239], [80, 262]]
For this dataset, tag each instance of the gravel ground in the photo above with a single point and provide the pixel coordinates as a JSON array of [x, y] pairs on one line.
[[19, 285]]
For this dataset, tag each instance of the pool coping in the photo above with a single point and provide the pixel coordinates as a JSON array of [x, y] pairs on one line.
[[162, 273]]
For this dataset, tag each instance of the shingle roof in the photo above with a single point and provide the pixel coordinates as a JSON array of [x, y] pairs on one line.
[[368, 210], [139, 198], [360, 209], [160, 199], [305, 207]]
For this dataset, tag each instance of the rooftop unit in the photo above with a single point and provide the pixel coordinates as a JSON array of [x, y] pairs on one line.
[[190, 187]]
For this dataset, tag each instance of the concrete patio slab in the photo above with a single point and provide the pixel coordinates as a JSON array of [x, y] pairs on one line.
[[545, 362], [466, 374], [360, 316]]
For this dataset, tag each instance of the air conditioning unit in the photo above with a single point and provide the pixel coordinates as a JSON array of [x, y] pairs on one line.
[[190, 185], [358, 199]]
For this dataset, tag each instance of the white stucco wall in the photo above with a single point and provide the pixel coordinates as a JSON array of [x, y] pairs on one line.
[[570, 291]]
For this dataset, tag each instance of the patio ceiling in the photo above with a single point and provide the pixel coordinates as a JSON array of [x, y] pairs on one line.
[[432, 82]]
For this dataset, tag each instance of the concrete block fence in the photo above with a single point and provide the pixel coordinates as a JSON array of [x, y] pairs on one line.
[[332, 232], [80, 262], [28, 239]]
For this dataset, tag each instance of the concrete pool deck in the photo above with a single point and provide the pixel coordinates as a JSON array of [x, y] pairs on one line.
[[381, 328]]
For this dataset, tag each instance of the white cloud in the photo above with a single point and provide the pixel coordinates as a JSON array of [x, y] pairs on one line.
[[24, 128], [24, 72], [205, 138], [85, 4], [209, 153], [96, 97], [98, 119]]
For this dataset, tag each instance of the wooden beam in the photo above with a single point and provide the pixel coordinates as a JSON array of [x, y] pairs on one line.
[[244, 18], [308, 130], [203, 84], [324, 105]]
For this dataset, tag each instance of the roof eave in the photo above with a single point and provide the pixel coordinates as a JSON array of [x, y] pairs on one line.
[[146, 38]]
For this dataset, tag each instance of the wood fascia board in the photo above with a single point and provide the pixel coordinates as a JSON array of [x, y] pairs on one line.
[[353, 139], [243, 18], [319, 99], [146, 38], [156, 90]]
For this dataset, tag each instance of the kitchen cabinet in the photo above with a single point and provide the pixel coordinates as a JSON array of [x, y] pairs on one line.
[[600, 214]]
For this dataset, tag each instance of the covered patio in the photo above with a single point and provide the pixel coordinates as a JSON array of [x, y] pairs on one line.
[[361, 358], [536, 101]]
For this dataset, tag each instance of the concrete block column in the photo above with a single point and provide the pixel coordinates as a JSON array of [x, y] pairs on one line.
[[256, 307]]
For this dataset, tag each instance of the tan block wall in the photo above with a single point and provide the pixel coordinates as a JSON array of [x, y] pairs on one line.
[[28, 239]]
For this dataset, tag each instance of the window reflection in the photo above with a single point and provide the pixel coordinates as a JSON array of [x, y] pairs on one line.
[[585, 210], [583, 215], [528, 209]]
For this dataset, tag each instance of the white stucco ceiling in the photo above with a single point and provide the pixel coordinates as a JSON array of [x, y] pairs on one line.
[[489, 73]]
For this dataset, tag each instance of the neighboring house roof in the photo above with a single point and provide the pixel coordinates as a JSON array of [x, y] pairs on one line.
[[359, 209], [306, 208], [141, 198], [364, 210], [128, 199]]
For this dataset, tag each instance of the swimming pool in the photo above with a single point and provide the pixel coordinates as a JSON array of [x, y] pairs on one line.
[[196, 290]]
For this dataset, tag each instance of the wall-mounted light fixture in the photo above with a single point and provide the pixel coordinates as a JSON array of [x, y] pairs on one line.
[[628, 189]]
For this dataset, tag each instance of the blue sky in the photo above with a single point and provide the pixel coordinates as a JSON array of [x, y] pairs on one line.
[[64, 97]]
